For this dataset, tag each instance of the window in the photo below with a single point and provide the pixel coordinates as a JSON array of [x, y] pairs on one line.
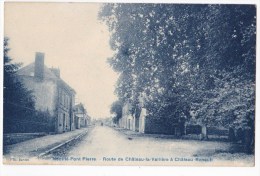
[[63, 97], [67, 102]]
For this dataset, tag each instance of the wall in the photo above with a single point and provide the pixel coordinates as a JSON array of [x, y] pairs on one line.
[[142, 120], [83, 122], [44, 91], [127, 121], [159, 126], [64, 107], [144, 124], [72, 103], [77, 122]]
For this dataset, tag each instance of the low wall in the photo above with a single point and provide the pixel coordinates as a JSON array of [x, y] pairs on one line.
[[13, 138], [155, 126]]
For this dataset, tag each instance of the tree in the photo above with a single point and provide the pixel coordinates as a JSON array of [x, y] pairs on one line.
[[18, 101], [182, 56], [116, 109]]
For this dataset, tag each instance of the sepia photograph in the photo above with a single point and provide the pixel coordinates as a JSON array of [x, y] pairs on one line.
[[129, 84]]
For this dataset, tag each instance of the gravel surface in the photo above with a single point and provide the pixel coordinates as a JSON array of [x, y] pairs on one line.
[[106, 145]]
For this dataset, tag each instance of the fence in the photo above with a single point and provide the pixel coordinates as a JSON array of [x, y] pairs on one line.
[[210, 133], [217, 131], [193, 129]]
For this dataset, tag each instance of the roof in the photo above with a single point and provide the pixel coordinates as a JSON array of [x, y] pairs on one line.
[[79, 108], [29, 71], [64, 84]]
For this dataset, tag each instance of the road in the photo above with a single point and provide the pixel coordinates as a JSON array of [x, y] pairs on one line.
[[105, 144]]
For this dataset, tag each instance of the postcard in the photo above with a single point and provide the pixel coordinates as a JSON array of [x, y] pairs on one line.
[[129, 84]]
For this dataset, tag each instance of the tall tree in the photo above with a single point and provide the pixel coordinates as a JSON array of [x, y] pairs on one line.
[[18, 101], [180, 55]]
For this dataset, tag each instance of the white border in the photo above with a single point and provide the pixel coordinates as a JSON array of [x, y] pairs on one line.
[[44, 170], [1, 81], [150, 1]]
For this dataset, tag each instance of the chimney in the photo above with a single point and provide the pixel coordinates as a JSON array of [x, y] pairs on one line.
[[39, 66]]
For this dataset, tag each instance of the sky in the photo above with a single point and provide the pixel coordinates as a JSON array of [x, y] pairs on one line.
[[73, 40]]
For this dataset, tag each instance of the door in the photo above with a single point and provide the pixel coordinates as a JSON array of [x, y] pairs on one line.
[[64, 123], [129, 123]]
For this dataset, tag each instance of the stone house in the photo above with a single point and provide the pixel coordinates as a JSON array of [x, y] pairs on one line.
[[52, 94], [81, 117]]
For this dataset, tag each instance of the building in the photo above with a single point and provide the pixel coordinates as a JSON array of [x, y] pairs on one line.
[[81, 117], [52, 94], [133, 120], [127, 120], [137, 119]]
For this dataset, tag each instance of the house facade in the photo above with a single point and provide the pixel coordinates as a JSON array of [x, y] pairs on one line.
[[127, 120], [82, 119], [137, 119], [133, 120], [52, 94]]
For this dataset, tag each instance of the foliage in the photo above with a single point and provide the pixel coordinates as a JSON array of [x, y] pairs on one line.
[[116, 109], [231, 103], [18, 101], [186, 58]]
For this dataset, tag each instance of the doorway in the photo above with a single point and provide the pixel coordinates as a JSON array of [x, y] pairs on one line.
[[129, 124], [64, 122]]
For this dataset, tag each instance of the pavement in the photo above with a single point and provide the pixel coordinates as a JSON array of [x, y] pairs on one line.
[[39, 146], [105, 145], [138, 134], [169, 136]]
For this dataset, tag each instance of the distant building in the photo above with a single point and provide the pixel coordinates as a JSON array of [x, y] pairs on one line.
[[133, 120], [127, 121], [81, 117], [138, 120], [51, 93]]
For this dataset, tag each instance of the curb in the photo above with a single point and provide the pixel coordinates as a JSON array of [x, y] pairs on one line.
[[62, 144], [138, 134]]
